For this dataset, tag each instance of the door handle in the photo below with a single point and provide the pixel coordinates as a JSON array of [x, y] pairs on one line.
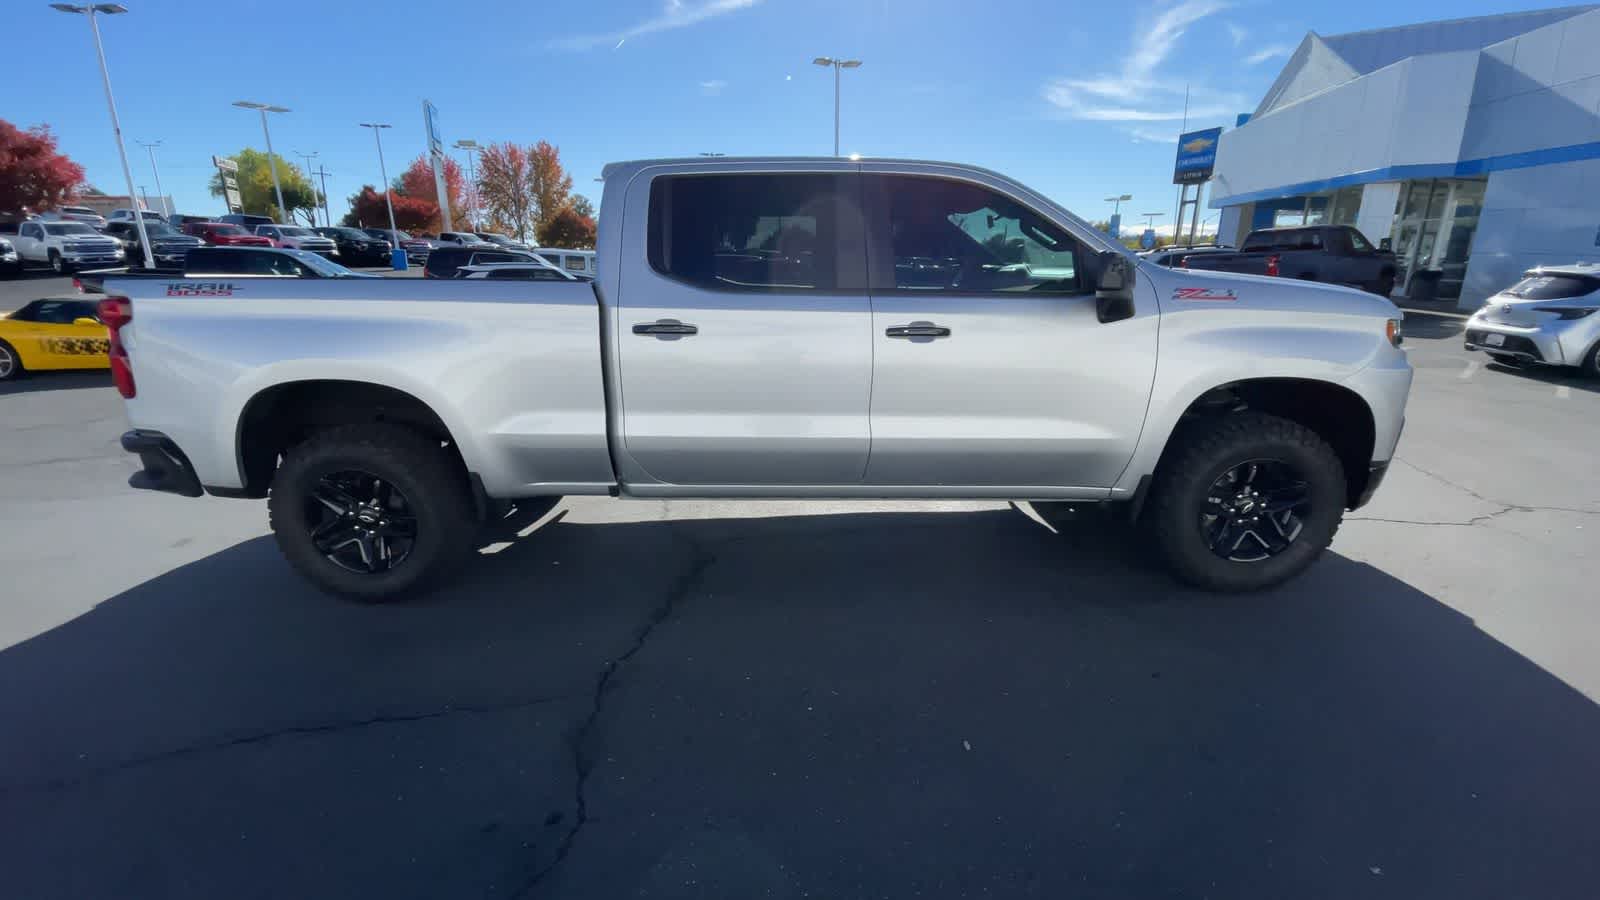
[[917, 330], [666, 328]]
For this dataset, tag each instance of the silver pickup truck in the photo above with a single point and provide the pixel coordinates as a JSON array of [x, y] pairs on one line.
[[773, 328]]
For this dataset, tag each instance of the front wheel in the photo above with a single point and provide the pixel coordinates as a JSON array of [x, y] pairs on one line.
[[1246, 501], [10, 362], [1591, 361], [57, 264], [371, 512]]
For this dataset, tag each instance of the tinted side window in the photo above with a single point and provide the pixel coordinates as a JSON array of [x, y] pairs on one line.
[[955, 237], [62, 312], [755, 232], [1358, 241]]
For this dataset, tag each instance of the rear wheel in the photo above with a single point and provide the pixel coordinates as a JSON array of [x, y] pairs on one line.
[[371, 512], [10, 362], [1384, 286], [1246, 501], [1591, 362]]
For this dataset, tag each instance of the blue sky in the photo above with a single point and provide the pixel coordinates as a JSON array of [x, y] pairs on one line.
[[1079, 100]]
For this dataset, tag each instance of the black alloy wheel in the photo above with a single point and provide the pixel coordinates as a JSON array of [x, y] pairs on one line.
[[360, 522], [1255, 510]]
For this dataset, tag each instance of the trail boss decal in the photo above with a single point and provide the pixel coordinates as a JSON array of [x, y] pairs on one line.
[[200, 289], [1205, 295]]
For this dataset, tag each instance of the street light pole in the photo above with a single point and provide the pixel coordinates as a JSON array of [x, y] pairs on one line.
[[837, 64], [308, 157], [377, 132], [1118, 201], [272, 163], [160, 195], [327, 217], [112, 9]]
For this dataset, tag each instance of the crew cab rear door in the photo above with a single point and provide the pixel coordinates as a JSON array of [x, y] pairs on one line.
[[743, 333], [992, 368]]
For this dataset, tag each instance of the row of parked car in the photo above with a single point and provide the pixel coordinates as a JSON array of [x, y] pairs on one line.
[[75, 238]]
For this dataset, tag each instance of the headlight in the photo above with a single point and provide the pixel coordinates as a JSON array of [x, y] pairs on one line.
[[1567, 313]]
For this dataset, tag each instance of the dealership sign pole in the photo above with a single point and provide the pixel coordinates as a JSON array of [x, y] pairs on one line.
[[229, 172], [430, 121], [1197, 158]]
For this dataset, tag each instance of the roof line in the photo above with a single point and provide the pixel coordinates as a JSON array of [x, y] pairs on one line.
[[1575, 10]]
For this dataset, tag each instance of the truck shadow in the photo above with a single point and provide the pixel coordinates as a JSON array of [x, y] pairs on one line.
[[842, 705]]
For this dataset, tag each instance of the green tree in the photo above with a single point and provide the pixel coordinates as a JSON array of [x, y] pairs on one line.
[[255, 187], [582, 206]]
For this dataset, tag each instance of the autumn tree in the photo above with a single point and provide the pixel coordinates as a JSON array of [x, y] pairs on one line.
[[569, 230], [411, 214], [549, 183], [417, 183], [581, 205], [503, 187], [256, 192], [34, 177]]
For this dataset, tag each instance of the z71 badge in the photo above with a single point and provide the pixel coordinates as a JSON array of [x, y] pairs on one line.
[[1205, 295], [199, 289]]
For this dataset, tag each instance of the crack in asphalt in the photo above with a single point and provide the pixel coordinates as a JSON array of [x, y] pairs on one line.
[[261, 737], [584, 764], [1504, 509]]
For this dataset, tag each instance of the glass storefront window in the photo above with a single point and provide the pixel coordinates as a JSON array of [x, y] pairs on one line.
[[1434, 229]]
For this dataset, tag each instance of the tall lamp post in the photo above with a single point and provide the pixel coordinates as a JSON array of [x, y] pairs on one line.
[[472, 177], [272, 163], [111, 9], [1150, 219], [166, 212], [1118, 201], [837, 64], [399, 256], [308, 157]]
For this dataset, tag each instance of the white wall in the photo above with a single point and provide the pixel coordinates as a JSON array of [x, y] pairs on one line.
[[1375, 219], [1231, 223], [1546, 214]]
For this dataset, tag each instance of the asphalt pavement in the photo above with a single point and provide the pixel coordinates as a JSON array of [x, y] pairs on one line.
[[709, 699]]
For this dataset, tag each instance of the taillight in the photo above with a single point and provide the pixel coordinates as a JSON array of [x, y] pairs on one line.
[[1272, 265], [116, 312]]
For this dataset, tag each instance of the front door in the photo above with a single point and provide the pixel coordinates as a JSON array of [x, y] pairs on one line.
[[743, 341], [992, 368]]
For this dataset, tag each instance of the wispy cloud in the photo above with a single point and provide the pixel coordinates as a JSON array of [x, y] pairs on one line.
[[1266, 53], [1134, 93], [1238, 33], [713, 87], [1143, 135], [674, 14]]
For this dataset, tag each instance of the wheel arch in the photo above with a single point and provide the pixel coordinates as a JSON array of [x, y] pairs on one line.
[[279, 416], [1334, 412]]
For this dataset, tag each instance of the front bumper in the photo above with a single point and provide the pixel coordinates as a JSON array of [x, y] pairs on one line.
[[165, 469], [91, 259]]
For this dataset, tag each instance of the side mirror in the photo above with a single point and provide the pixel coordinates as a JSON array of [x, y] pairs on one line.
[[85, 320], [1113, 297]]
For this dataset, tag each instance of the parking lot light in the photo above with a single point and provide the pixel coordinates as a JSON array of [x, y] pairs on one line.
[[272, 164], [111, 9], [837, 64], [377, 135]]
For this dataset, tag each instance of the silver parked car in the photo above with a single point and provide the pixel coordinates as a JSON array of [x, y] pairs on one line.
[[1547, 318]]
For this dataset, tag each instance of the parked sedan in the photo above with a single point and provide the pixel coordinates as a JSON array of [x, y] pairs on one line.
[[168, 245], [519, 271], [293, 237], [356, 247], [224, 234], [1547, 318]]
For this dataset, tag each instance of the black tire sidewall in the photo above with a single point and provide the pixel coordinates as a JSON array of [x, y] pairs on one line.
[[443, 520], [1185, 545], [1591, 362]]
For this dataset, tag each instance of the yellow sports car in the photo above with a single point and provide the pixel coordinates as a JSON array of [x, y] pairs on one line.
[[52, 334]]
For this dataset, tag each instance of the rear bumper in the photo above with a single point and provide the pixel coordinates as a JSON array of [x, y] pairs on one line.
[[165, 469], [1531, 344]]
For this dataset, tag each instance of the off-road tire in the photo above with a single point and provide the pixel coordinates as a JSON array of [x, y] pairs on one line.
[[1204, 452], [428, 476]]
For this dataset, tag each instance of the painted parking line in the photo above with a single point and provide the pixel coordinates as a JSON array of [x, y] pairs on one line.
[[1472, 367], [1563, 392]]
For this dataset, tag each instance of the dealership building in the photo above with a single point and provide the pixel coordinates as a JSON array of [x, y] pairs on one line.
[[1470, 147]]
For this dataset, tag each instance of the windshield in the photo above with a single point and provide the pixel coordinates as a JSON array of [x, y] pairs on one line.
[[322, 266], [69, 228], [297, 232]]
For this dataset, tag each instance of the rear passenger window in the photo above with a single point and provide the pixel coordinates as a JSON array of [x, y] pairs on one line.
[[756, 232]]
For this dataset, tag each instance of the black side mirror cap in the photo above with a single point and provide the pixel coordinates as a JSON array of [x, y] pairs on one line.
[[1113, 297]]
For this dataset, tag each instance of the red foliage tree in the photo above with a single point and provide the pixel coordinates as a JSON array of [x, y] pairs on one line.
[[411, 214], [417, 183], [33, 176], [568, 229]]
